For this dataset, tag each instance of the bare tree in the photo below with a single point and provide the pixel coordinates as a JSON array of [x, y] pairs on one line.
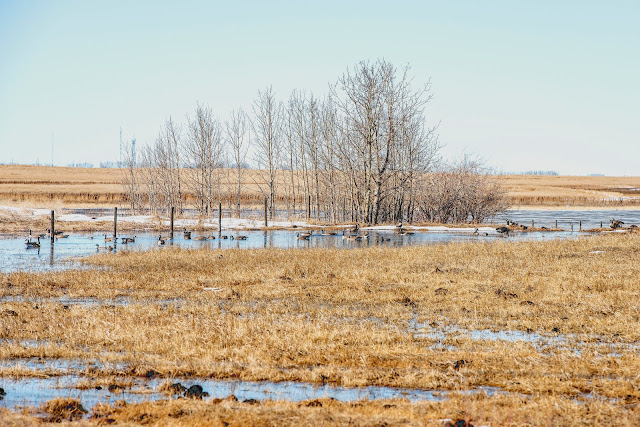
[[266, 125], [131, 181], [381, 112], [237, 129], [204, 148]]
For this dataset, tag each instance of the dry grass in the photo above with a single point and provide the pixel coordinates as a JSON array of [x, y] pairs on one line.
[[62, 409], [478, 410], [571, 191], [57, 187]]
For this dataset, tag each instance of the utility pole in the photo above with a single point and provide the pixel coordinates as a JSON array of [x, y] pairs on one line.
[[120, 165]]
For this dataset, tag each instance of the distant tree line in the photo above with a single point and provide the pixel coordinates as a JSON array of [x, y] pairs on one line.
[[365, 152]]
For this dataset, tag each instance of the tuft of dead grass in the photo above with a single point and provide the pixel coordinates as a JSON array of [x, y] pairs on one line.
[[64, 409]]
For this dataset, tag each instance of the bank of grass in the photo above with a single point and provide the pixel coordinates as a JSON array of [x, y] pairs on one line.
[[477, 410], [373, 316]]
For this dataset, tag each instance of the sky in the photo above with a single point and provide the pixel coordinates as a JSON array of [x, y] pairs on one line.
[[537, 85]]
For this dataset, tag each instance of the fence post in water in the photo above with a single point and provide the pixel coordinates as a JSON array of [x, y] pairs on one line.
[[220, 217], [53, 221], [265, 213], [556, 223], [571, 227], [532, 224], [172, 212], [115, 223], [600, 224], [580, 225]]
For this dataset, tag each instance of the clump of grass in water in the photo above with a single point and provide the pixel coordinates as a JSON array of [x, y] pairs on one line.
[[64, 409]]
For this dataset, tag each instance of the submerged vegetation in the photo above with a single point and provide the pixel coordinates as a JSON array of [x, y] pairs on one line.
[[552, 326]]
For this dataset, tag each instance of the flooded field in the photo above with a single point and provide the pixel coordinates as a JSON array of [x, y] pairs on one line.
[[546, 317], [569, 219], [33, 392], [15, 256]]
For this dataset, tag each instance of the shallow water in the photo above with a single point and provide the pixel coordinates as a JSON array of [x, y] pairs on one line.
[[567, 342], [14, 255], [569, 219], [36, 391]]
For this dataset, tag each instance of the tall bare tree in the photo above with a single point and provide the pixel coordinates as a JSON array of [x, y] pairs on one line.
[[266, 125], [237, 129], [204, 148]]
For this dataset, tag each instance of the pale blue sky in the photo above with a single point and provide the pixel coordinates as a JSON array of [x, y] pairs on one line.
[[537, 85]]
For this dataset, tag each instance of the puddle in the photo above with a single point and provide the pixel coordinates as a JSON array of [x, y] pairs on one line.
[[570, 342], [59, 367], [98, 302], [15, 256], [35, 391]]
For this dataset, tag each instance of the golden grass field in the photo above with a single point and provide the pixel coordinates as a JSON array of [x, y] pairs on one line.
[[402, 317], [52, 187]]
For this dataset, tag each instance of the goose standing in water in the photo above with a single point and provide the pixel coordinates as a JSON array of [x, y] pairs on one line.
[[160, 240], [33, 244], [503, 230]]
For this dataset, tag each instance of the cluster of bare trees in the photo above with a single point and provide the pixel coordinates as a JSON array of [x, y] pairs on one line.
[[363, 153], [463, 192]]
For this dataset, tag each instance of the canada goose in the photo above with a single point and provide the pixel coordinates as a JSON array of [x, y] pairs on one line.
[[302, 236], [614, 223], [104, 248], [356, 228], [224, 237], [503, 230], [31, 244], [126, 240], [306, 234], [241, 237], [353, 237], [160, 240], [61, 236], [476, 232], [200, 238], [108, 239], [186, 233]]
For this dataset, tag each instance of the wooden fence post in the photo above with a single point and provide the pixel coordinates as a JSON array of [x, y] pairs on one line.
[[115, 223], [53, 225], [265, 213], [172, 213]]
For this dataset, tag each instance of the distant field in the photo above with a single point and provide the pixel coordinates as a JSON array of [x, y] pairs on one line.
[[43, 186]]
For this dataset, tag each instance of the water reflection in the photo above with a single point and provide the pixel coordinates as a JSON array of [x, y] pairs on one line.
[[15, 257]]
